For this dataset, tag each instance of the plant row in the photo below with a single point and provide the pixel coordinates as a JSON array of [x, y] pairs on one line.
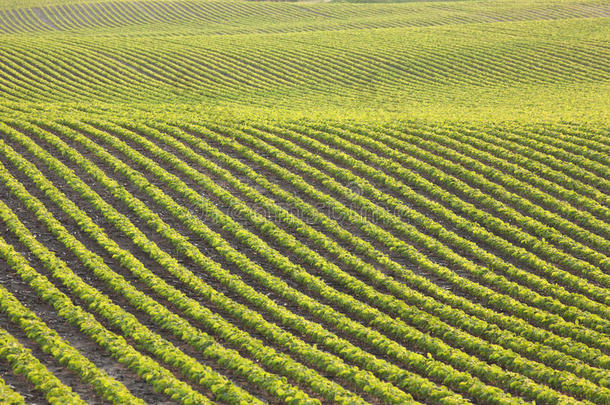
[[421, 319], [417, 300], [398, 246], [307, 255], [51, 343], [160, 378], [328, 314], [477, 228], [9, 396], [363, 247], [496, 169], [23, 363], [265, 355]]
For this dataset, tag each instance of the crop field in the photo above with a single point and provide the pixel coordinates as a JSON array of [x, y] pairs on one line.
[[248, 202]]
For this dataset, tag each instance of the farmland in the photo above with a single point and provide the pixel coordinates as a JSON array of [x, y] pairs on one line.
[[245, 202]]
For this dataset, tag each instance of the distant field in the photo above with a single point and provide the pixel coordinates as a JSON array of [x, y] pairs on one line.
[[247, 202], [474, 60]]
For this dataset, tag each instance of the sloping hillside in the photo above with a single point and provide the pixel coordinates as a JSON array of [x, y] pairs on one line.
[[304, 203]]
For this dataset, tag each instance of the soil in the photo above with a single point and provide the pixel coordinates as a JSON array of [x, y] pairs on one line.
[[69, 332], [196, 240]]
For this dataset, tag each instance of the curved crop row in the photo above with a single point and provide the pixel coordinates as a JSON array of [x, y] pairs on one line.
[[478, 230], [283, 238], [174, 324], [264, 355], [399, 377], [9, 396], [323, 242], [374, 276], [22, 362], [441, 142], [51, 343], [280, 287], [549, 320]]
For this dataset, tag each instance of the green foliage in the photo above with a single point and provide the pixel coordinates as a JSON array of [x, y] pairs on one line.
[[435, 60], [307, 202]]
